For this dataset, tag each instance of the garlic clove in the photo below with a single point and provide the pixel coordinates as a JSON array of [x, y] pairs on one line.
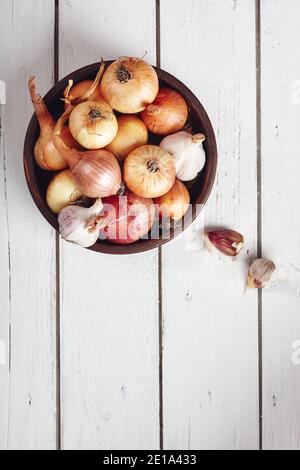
[[262, 274], [229, 242]]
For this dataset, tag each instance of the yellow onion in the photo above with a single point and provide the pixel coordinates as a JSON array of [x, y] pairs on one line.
[[132, 133], [129, 85], [62, 191], [46, 155], [149, 171], [96, 173], [167, 114], [93, 124], [175, 203], [80, 89]]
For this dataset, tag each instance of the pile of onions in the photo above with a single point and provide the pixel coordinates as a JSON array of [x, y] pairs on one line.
[[149, 171], [125, 219], [96, 144], [62, 191], [93, 124], [129, 85], [132, 133], [96, 172], [167, 114], [175, 203]]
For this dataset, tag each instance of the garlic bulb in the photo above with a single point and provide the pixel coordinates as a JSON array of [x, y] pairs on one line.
[[188, 153], [79, 224]]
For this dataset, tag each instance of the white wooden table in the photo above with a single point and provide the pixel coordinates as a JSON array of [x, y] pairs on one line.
[[162, 349]]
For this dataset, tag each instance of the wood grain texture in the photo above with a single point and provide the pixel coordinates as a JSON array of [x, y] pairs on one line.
[[281, 219], [27, 268], [109, 310], [210, 324]]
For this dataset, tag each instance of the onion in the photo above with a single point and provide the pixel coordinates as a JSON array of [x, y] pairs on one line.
[[175, 203], [167, 114], [62, 191], [126, 218], [93, 124], [80, 89], [96, 172], [68, 139], [129, 85], [132, 133], [46, 155], [149, 171]]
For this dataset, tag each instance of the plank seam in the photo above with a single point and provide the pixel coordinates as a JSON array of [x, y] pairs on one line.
[[9, 266], [57, 259], [160, 312], [259, 208]]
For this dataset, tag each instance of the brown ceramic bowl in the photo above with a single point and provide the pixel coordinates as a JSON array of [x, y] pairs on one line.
[[200, 188]]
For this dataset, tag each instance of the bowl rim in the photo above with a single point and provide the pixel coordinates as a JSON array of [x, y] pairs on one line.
[[144, 244]]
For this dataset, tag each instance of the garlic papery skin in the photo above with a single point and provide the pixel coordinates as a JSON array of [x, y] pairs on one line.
[[228, 242], [188, 153], [262, 274], [79, 224]]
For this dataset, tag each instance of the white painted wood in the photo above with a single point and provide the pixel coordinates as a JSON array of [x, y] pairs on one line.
[[109, 310], [27, 268], [281, 220], [210, 325]]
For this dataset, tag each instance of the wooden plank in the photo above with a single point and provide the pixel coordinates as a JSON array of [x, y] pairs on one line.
[[210, 326], [27, 269], [109, 311], [281, 219]]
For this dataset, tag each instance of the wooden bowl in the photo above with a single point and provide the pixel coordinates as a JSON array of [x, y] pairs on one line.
[[200, 188]]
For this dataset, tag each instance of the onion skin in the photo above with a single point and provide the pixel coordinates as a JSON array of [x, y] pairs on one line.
[[62, 191], [93, 124], [149, 171], [46, 154], [69, 140], [81, 88], [132, 133], [88, 168], [175, 203], [167, 114], [129, 85], [127, 218]]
